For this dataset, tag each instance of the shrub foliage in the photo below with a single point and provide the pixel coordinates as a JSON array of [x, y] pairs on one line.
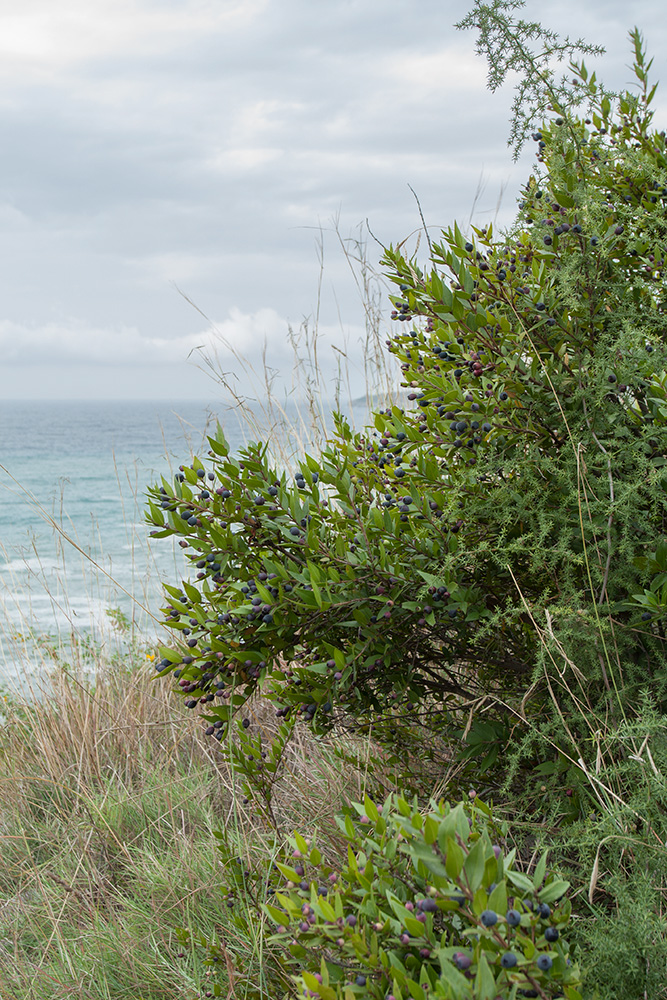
[[427, 903], [504, 524], [415, 902]]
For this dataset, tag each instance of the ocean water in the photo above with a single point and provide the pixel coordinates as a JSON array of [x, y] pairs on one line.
[[74, 544], [73, 539]]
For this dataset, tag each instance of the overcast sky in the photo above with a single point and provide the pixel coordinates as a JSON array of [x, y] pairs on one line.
[[209, 146]]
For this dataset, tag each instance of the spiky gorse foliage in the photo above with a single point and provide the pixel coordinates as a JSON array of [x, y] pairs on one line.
[[613, 850], [532, 51]]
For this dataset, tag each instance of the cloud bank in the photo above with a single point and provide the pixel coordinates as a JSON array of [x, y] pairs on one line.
[[207, 146]]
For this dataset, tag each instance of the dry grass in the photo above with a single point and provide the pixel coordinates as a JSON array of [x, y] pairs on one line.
[[110, 796]]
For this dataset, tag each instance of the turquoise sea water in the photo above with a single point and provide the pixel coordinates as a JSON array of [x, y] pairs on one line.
[[86, 466]]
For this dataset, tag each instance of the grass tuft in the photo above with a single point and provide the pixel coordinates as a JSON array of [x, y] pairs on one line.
[[110, 796]]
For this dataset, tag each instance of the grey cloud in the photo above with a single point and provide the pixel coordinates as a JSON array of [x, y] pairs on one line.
[[208, 157]]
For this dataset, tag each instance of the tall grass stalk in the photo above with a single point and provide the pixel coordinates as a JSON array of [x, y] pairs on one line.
[[296, 419]]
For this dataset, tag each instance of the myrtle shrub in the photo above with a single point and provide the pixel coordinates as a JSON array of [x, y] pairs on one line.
[[416, 903], [510, 517]]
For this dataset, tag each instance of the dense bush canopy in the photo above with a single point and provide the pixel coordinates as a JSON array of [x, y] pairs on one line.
[[515, 505]]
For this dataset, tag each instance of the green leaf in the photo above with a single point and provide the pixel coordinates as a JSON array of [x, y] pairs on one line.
[[430, 829], [288, 872], [520, 880], [480, 901], [218, 443], [458, 984], [412, 925], [455, 823], [192, 593], [301, 843], [287, 903], [498, 898], [415, 990], [325, 992], [371, 809], [485, 983], [490, 870], [169, 654], [454, 859], [563, 198], [473, 865], [550, 893], [317, 595], [466, 280], [540, 870], [326, 909], [422, 852], [661, 554], [276, 915]]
